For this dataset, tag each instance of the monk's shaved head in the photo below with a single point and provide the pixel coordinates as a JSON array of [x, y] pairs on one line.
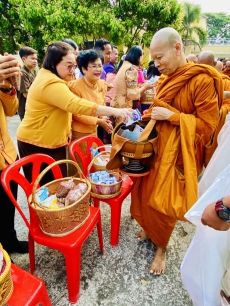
[[166, 49], [228, 65], [219, 66], [192, 58], [206, 57], [167, 36]]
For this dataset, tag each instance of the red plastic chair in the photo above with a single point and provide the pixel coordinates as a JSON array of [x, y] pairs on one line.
[[69, 245], [114, 203], [29, 290]]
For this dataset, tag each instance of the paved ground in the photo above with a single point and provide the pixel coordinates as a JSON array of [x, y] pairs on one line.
[[118, 278]]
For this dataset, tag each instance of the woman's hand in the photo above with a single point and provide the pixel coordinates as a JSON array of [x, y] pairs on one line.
[[161, 113], [9, 66], [123, 113], [106, 124]]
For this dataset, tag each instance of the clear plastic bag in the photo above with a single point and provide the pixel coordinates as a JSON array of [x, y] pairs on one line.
[[204, 263]]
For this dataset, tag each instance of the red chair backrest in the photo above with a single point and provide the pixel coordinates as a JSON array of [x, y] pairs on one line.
[[12, 173], [85, 157]]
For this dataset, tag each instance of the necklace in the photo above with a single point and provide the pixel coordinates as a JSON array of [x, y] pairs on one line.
[[91, 86]]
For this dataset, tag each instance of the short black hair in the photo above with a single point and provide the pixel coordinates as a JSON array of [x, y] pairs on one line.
[[54, 54], [134, 54], [113, 47], [88, 56], [26, 51], [71, 43], [100, 44]]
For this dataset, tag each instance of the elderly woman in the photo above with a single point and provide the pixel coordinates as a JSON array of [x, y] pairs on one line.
[[92, 88], [50, 105], [126, 89]]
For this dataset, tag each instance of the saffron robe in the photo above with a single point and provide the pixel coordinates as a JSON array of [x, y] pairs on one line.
[[193, 93]]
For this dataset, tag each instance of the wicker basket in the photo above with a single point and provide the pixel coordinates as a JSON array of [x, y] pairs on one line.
[[63, 221], [6, 283], [106, 154], [105, 191]]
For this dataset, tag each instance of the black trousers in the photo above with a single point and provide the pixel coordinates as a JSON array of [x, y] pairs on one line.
[[7, 232], [26, 149]]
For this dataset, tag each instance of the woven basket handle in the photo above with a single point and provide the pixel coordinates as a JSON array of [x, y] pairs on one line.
[[104, 146], [40, 176], [91, 163], [147, 130]]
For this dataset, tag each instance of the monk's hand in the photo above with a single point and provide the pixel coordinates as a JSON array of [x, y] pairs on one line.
[[161, 113], [226, 94], [123, 113], [106, 124], [9, 66]]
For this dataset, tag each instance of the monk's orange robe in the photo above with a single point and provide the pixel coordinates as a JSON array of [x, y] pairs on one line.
[[193, 93], [226, 83], [226, 72]]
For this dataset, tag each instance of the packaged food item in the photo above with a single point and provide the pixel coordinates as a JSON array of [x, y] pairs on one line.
[[136, 116], [42, 194], [50, 202], [2, 262], [64, 188]]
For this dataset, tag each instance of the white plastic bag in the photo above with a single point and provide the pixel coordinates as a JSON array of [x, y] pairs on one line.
[[219, 161], [205, 261]]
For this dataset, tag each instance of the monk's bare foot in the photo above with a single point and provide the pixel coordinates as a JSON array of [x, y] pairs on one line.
[[141, 235], [157, 266]]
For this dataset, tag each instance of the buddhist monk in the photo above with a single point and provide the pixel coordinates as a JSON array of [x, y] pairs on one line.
[[186, 111], [208, 58], [227, 69], [219, 66], [192, 58]]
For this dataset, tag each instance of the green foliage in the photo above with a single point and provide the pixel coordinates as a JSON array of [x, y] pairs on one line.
[[218, 25], [38, 22], [191, 33]]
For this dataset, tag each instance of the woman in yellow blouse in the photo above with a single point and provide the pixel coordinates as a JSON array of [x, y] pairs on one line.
[[50, 105]]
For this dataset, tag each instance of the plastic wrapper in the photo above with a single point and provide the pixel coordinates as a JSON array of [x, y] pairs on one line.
[[50, 202], [64, 188], [42, 194], [73, 196], [205, 261]]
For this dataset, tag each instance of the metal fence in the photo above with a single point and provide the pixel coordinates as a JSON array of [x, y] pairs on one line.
[[218, 41]]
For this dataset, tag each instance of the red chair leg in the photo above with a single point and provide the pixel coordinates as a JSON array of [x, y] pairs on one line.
[[115, 223], [73, 274], [31, 253], [100, 235], [96, 202]]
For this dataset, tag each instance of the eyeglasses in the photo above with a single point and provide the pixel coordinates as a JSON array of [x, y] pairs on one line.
[[71, 67], [94, 67]]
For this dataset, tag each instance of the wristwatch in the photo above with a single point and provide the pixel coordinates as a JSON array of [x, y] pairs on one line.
[[222, 211]]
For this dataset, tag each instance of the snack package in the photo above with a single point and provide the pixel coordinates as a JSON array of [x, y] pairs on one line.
[[73, 196], [50, 202], [64, 188], [42, 194], [136, 116], [1, 262]]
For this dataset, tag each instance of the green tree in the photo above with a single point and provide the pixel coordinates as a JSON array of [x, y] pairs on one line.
[[192, 34], [218, 25], [124, 21], [11, 31], [142, 19]]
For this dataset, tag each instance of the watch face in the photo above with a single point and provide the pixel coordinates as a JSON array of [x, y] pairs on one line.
[[224, 215]]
